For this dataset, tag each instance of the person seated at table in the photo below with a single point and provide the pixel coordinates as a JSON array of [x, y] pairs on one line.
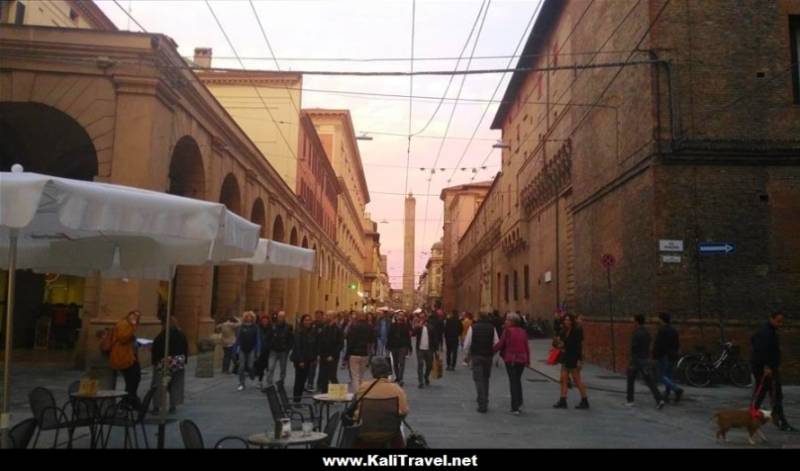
[[381, 388]]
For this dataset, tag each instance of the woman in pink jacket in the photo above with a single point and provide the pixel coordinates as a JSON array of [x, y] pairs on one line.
[[513, 346]]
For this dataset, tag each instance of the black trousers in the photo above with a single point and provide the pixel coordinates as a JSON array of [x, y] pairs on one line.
[[261, 364], [514, 371], [399, 359], [452, 352], [133, 376], [643, 367], [424, 365], [773, 386], [481, 372], [300, 376], [327, 373]]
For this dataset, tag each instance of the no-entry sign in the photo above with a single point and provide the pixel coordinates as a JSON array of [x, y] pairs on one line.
[[608, 260]]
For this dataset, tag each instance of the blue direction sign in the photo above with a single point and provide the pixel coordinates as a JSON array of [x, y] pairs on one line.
[[711, 248]]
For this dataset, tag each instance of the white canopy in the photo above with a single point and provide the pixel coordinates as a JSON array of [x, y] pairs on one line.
[[276, 260], [81, 226]]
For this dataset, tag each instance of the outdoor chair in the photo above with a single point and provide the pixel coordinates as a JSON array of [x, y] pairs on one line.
[[82, 413], [276, 408], [347, 438], [380, 422], [123, 414], [49, 416], [330, 430], [300, 407], [193, 438], [22, 433]]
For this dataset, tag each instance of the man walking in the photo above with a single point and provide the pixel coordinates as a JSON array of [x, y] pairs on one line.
[[383, 334], [281, 340], [426, 345], [359, 338], [478, 344], [399, 345], [766, 362], [640, 362], [319, 323], [665, 352], [330, 341], [452, 332]]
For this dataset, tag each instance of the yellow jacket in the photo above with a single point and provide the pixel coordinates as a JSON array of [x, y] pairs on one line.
[[123, 355]]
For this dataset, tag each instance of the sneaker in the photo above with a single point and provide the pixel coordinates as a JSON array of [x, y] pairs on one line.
[[785, 427], [421, 385], [427, 382], [630, 404], [516, 412], [240, 388], [660, 404], [483, 410], [678, 395]]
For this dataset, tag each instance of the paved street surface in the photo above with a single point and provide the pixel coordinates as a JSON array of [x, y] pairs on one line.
[[445, 412]]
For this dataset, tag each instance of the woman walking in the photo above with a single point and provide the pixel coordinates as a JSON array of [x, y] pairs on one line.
[[123, 356], [248, 345], [570, 341], [303, 354], [513, 346], [175, 362]]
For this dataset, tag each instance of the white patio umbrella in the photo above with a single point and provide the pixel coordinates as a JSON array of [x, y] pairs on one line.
[[276, 260], [75, 227]]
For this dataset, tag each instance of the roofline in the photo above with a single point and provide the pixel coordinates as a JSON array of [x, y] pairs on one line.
[[310, 128], [94, 14], [544, 23], [465, 186], [480, 208]]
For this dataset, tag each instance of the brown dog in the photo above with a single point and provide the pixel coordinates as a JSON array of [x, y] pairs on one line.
[[729, 419]]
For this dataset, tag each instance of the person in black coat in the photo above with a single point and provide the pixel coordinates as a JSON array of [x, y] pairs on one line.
[[304, 354], [570, 341], [281, 340], [178, 351], [766, 362], [399, 345], [452, 332], [665, 353], [640, 362], [330, 341]]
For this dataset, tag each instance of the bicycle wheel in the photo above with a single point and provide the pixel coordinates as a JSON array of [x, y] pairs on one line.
[[739, 374], [698, 374], [680, 367]]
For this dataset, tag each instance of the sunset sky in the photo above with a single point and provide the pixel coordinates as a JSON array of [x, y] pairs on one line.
[[301, 30]]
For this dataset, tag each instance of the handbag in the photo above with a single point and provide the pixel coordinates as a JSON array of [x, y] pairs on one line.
[[415, 441], [554, 357], [436, 370], [175, 364]]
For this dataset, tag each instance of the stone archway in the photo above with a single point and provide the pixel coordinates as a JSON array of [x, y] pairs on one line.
[[256, 293], [45, 140], [228, 293], [293, 310], [277, 286], [191, 288]]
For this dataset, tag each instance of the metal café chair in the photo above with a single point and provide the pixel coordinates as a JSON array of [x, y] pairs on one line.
[[276, 408], [22, 433], [380, 422], [123, 414], [49, 416], [347, 438], [193, 438], [331, 428], [300, 407]]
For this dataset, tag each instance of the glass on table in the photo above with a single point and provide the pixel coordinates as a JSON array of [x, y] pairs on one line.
[[308, 427]]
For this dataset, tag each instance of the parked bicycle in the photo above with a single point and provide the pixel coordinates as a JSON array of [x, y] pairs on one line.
[[700, 369]]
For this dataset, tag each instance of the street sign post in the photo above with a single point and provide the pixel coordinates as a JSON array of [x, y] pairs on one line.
[[608, 262], [715, 248]]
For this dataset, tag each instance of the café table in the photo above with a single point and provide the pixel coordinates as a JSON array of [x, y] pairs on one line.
[[96, 404], [296, 438], [325, 400]]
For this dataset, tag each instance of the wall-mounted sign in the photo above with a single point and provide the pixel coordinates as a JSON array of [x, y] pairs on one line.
[[669, 245], [671, 258], [548, 277]]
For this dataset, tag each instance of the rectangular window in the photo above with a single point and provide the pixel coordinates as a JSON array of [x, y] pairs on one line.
[[20, 18], [506, 289], [516, 286], [794, 28], [526, 280]]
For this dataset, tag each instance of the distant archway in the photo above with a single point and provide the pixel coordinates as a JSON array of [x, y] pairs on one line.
[[256, 291], [277, 286]]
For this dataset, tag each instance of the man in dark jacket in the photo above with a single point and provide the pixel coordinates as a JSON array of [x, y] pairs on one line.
[[319, 323], [330, 341], [360, 338], [452, 332], [304, 354], [640, 362], [665, 352], [478, 344], [281, 341], [766, 362], [399, 345]]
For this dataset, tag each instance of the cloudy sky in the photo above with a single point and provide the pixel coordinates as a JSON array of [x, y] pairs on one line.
[[315, 35]]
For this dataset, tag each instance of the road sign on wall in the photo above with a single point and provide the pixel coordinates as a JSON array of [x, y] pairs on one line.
[[670, 245], [715, 248]]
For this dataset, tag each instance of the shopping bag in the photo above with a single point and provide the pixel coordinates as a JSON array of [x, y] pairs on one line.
[[436, 371], [554, 356]]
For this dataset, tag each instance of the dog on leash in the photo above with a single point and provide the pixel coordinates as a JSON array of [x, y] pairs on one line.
[[744, 418]]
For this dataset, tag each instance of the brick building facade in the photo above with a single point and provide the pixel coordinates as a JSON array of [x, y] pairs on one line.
[[639, 122]]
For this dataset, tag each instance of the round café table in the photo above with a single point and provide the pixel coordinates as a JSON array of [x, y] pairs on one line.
[[97, 404], [325, 401], [297, 438]]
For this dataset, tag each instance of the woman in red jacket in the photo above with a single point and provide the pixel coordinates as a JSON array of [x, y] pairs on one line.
[[513, 346]]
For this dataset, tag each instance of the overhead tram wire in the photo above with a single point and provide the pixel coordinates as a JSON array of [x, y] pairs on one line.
[[411, 90], [497, 88], [266, 107], [452, 114], [130, 16]]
